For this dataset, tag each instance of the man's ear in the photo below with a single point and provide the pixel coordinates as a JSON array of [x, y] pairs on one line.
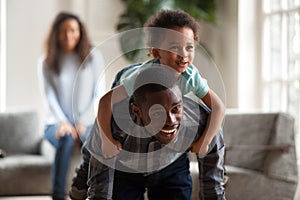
[[136, 110], [155, 53]]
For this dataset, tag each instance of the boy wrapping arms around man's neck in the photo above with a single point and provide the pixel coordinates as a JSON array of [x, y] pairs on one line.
[[171, 36]]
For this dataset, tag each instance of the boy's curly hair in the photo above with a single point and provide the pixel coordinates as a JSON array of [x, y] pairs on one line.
[[169, 19]]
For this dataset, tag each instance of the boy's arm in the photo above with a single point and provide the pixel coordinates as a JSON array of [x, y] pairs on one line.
[[110, 147], [214, 122]]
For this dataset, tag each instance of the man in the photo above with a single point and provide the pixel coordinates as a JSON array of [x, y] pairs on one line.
[[154, 154]]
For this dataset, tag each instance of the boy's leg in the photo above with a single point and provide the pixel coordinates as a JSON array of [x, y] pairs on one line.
[[100, 181], [211, 172]]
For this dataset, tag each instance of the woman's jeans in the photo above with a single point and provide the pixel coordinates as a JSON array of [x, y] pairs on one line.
[[64, 148]]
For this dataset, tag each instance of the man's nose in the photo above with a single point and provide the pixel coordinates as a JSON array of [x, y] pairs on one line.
[[171, 118]]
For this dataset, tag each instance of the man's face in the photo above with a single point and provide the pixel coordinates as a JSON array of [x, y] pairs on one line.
[[177, 49], [166, 104]]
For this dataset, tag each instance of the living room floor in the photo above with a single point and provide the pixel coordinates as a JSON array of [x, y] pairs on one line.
[[297, 195]]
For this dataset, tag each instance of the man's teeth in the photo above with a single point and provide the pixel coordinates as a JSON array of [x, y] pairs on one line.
[[168, 131]]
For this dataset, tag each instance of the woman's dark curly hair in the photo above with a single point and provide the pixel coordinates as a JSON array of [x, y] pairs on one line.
[[169, 19], [52, 46]]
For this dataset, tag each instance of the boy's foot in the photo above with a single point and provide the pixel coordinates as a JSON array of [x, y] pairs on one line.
[[79, 187]]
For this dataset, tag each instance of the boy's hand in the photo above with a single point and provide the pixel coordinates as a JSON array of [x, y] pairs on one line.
[[200, 147], [110, 148]]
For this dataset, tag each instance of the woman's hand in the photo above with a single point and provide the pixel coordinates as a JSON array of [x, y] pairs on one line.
[[66, 128], [80, 128]]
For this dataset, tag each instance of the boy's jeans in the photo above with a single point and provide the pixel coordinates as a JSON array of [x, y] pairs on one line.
[[211, 171]]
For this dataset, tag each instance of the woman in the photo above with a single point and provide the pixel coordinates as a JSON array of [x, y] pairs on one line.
[[68, 74]]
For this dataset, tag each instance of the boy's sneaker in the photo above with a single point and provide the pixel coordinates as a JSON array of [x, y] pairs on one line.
[[79, 187]]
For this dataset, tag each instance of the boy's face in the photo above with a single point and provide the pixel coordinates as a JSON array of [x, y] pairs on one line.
[[177, 49], [166, 104]]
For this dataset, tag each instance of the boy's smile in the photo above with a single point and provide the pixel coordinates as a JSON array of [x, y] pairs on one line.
[[177, 50]]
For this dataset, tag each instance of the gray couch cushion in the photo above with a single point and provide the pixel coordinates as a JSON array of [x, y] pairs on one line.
[[246, 184], [25, 174], [248, 129], [19, 132]]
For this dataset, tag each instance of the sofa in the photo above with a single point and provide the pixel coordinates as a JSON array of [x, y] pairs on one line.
[[260, 158], [26, 168]]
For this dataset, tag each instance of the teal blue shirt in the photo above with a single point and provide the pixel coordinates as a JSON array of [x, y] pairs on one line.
[[189, 81]]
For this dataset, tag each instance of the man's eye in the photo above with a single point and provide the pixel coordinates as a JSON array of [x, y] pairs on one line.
[[157, 114], [177, 109]]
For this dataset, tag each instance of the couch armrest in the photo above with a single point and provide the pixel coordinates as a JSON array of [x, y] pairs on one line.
[[47, 150], [282, 165], [283, 148]]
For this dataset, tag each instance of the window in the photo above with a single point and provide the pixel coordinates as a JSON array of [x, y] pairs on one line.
[[281, 57]]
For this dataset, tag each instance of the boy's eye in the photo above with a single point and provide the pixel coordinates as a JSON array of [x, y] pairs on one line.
[[190, 48], [175, 48], [178, 48]]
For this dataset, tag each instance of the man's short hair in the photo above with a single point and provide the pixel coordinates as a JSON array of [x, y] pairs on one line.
[[153, 79]]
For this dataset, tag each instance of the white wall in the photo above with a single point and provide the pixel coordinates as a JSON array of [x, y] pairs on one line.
[[26, 32], [221, 40], [26, 28]]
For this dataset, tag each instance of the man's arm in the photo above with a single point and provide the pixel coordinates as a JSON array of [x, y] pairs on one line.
[[100, 180]]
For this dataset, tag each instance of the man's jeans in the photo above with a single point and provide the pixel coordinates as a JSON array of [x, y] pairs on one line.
[[176, 175]]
